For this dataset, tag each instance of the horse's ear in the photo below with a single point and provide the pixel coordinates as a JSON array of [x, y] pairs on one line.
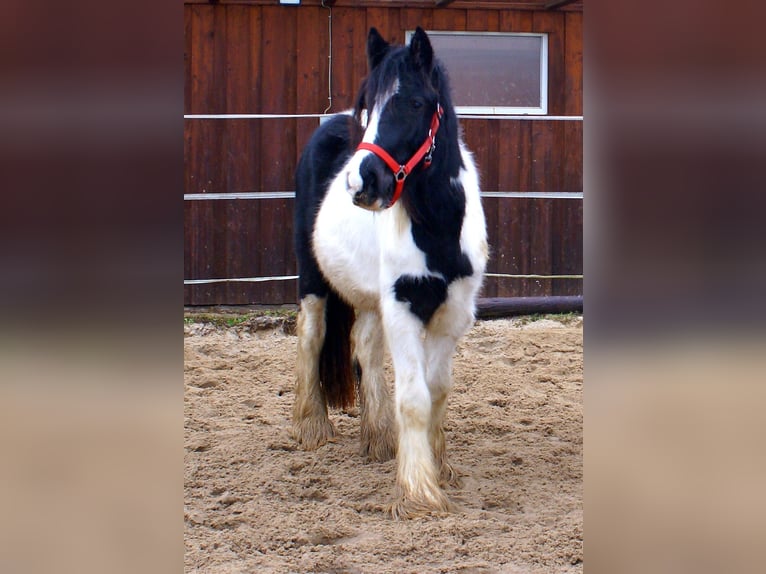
[[376, 48], [421, 50]]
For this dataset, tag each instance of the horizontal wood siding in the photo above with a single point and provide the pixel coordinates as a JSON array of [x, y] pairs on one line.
[[259, 58]]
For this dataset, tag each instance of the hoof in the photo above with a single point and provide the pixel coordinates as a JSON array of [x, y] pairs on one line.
[[378, 447], [406, 506], [313, 433]]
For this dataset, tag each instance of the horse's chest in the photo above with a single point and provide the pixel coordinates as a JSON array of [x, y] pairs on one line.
[[346, 248], [418, 272]]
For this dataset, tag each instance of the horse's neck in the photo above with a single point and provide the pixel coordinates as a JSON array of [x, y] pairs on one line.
[[432, 202]]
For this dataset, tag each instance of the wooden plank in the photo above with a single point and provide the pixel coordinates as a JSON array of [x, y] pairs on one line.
[[449, 20], [548, 152], [490, 182], [188, 54], [254, 95], [380, 18], [395, 27], [475, 20], [312, 45], [507, 246], [201, 57], [552, 23], [343, 88], [236, 152], [568, 254], [359, 51], [540, 246], [573, 157], [567, 247], [487, 308], [515, 21], [199, 228], [204, 142], [386, 20], [278, 138], [543, 169], [573, 45], [485, 144], [411, 18], [490, 286]]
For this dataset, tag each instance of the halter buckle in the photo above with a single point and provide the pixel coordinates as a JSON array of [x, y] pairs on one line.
[[401, 174], [429, 154]]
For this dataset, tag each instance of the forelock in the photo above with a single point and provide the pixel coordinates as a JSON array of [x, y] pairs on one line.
[[383, 82]]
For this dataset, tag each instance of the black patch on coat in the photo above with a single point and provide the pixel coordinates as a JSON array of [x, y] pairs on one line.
[[424, 294], [437, 221]]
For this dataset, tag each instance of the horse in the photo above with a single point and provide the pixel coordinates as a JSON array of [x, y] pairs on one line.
[[391, 246]]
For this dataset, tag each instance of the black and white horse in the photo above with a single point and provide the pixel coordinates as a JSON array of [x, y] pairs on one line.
[[391, 246]]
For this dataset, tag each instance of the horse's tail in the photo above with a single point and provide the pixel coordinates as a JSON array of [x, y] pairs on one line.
[[336, 373]]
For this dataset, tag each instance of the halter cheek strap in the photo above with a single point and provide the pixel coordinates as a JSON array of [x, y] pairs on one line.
[[401, 171]]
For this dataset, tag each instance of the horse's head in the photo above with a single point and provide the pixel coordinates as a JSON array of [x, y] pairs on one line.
[[402, 105]]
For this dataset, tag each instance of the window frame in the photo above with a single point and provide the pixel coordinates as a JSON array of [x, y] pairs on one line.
[[491, 110]]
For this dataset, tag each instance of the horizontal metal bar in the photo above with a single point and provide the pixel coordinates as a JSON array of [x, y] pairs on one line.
[[521, 117], [252, 116], [511, 276], [299, 116], [292, 277], [240, 195], [240, 280], [535, 194], [291, 194]]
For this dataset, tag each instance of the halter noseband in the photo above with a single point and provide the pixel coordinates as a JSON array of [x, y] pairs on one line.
[[426, 151]]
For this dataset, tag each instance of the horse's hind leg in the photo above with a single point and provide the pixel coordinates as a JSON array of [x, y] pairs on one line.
[[378, 435], [311, 425]]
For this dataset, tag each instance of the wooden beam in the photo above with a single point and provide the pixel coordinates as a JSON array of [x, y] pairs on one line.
[[553, 4], [508, 306], [442, 3]]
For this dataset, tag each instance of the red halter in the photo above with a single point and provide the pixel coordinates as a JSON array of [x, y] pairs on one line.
[[402, 171]]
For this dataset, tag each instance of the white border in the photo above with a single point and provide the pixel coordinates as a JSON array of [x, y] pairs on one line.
[[504, 110]]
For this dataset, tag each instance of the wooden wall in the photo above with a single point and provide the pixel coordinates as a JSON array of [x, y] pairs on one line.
[[258, 57]]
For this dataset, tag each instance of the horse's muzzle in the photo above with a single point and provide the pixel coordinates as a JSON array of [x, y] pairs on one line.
[[366, 201], [377, 186]]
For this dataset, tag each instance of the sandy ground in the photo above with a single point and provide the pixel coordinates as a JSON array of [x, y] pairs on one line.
[[254, 502]]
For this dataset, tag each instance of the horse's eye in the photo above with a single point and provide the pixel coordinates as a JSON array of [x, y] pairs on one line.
[[416, 103]]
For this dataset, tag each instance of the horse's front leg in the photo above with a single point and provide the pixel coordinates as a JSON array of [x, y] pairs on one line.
[[446, 327], [417, 480], [311, 425], [439, 351]]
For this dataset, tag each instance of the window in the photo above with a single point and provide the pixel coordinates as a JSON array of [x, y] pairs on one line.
[[495, 73]]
